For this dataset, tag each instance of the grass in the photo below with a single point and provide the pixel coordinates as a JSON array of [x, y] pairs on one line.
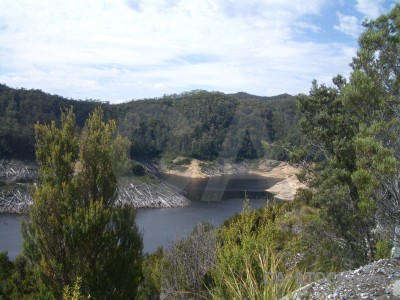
[[273, 285]]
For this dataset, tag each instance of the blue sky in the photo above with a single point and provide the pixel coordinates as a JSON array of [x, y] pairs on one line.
[[119, 50]]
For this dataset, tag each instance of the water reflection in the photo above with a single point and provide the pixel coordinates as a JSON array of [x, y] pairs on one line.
[[223, 187]]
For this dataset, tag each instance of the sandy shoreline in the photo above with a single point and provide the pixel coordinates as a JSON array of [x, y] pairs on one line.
[[283, 190], [193, 171], [153, 193]]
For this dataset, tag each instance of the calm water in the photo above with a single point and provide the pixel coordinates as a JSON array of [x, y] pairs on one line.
[[213, 200], [10, 235]]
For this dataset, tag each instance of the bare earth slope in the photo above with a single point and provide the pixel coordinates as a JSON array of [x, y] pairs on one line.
[[147, 192], [283, 190]]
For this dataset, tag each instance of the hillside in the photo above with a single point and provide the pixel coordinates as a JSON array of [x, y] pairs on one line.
[[198, 124], [20, 109]]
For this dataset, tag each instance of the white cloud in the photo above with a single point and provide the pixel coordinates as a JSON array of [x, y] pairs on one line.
[[119, 50], [308, 26], [349, 25], [370, 8]]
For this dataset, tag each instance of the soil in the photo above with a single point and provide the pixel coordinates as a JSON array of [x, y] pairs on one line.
[[283, 190], [153, 193], [193, 170]]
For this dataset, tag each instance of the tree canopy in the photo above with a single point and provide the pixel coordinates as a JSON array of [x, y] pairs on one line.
[[76, 230], [352, 131], [198, 124]]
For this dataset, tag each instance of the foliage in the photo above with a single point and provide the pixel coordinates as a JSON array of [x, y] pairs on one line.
[[18, 280], [252, 244], [246, 150], [75, 228], [152, 266], [195, 124], [120, 155], [329, 128], [137, 169], [383, 249], [247, 285], [74, 292], [323, 252], [20, 109], [187, 264], [373, 97], [352, 131]]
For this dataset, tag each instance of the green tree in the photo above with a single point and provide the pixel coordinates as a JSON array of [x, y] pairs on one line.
[[76, 227], [152, 267], [373, 98], [331, 131], [353, 132], [246, 150], [18, 280]]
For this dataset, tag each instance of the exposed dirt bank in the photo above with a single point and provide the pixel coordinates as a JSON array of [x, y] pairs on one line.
[[287, 188], [16, 179], [283, 190], [192, 170]]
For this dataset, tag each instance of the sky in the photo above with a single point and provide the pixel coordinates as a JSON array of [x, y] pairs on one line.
[[121, 50]]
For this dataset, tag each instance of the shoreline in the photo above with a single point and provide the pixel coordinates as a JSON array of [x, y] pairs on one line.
[[283, 190], [154, 193]]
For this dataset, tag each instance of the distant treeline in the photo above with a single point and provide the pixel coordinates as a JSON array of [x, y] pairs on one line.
[[199, 124]]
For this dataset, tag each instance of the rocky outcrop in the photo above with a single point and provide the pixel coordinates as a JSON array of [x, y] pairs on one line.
[[378, 280]]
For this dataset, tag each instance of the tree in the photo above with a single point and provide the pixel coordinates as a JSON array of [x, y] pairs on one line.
[[330, 130], [355, 129], [373, 98], [246, 150], [19, 281], [76, 228]]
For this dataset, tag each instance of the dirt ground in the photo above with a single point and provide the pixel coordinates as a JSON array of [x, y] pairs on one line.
[[283, 190]]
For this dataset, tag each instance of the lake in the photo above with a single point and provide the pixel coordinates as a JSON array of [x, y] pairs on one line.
[[213, 200]]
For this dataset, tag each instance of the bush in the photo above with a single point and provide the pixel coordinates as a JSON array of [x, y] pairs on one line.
[[188, 262], [138, 169], [152, 268], [252, 244], [303, 197], [382, 249]]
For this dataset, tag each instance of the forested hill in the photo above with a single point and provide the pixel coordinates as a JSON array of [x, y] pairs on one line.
[[20, 109], [200, 124]]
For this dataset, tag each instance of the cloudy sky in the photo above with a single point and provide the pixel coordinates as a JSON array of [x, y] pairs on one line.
[[119, 50]]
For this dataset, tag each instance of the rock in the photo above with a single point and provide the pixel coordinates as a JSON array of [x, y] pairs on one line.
[[367, 282], [396, 243], [396, 288]]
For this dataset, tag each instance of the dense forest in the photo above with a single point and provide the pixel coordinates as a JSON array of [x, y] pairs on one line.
[[20, 109], [199, 124]]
